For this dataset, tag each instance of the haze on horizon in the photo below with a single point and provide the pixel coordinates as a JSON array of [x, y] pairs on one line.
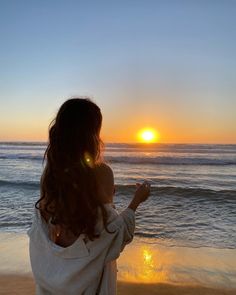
[[166, 65]]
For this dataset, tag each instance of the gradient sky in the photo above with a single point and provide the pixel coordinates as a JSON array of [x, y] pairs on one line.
[[170, 65]]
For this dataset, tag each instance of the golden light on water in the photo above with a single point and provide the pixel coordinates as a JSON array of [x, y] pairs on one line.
[[148, 272], [143, 266], [147, 256], [148, 135]]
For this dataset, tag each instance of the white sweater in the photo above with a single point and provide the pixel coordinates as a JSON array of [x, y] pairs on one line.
[[83, 267]]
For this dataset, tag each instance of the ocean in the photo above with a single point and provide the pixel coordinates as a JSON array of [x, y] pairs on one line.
[[193, 190]]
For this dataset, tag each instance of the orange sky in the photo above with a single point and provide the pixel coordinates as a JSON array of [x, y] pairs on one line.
[[122, 124], [142, 69]]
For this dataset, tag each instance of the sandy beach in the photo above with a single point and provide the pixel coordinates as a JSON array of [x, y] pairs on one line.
[[18, 285], [143, 268]]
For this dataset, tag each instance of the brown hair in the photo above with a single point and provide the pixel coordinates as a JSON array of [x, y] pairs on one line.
[[68, 186]]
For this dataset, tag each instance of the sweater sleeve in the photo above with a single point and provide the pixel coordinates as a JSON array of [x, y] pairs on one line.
[[122, 229]]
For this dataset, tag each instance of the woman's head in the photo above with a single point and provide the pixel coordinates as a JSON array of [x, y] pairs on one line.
[[76, 129], [69, 190]]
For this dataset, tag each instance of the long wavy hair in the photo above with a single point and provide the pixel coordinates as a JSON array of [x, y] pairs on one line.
[[68, 186]]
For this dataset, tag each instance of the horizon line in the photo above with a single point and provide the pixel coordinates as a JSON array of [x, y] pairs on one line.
[[144, 143]]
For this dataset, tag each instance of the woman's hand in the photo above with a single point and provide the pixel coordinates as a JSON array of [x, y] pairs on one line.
[[141, 195], [142, 192]]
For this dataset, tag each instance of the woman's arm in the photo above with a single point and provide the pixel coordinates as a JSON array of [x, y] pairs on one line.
[[124, 225]]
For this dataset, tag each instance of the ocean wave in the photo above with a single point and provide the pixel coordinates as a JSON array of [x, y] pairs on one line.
[[22, 184], [174, 148], [129, 189], [22, 143], [21, 157], [180, 191], [21, 148], [159, 160], [171, 160]]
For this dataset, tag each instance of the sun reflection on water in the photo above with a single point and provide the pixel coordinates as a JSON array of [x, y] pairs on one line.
[[151, 270], [144, 262], [148, 264], [144, 265], [147, 256]]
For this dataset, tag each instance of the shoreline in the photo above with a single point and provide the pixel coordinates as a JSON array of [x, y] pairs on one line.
[[14, 284], [142, 264]]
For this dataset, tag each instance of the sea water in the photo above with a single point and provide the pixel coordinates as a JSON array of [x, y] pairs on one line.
[[193, 189], [185, 232]]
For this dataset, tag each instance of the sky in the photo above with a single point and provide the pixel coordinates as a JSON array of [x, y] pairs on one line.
[[167, 65]]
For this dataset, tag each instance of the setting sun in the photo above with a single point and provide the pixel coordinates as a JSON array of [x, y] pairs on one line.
[[148, 135]]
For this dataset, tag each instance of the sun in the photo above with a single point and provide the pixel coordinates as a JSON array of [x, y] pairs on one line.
[[148, 135]]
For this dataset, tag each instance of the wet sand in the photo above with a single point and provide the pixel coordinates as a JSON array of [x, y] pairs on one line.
[[143, 268], [18, 285]]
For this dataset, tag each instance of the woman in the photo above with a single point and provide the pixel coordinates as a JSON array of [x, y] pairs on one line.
[[76, 235]]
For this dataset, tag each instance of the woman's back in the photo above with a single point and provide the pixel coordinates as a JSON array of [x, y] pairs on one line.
[[61, 235], [84, 265], [77, 235]]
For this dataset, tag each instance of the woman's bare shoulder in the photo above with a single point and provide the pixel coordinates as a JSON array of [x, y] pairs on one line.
[[105, 177], [104, 170]]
